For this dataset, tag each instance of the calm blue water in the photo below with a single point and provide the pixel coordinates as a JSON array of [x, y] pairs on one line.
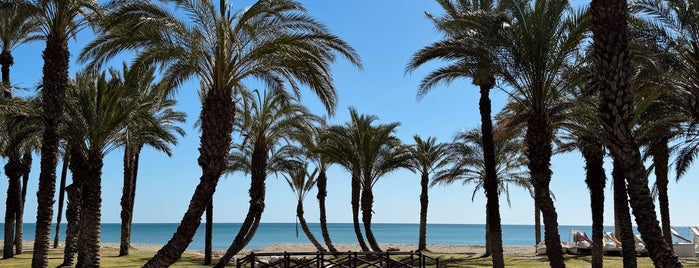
[[341, 233]]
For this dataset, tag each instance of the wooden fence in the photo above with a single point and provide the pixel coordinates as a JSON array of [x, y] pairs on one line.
[[339, 260]]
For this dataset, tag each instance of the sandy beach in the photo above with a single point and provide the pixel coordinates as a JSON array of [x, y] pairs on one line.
[[515, 251]]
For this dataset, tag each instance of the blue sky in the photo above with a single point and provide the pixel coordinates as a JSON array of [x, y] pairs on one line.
[[385, 34]]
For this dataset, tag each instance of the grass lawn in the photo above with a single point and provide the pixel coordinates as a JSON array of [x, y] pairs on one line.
[[139, 257]]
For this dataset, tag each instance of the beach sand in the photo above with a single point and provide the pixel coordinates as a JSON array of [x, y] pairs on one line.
[[515, 251]]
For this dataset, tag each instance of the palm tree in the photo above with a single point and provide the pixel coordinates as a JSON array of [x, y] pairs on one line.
[[426, 157], [673, 26], [97, 109], [471, 29], [311, 142], [157, 130], [380, 153], [613, 72], [468, 166], [16, 27], [266, 122], [302, 182], [338, 146], [537, 46], [19, 130], [58, 20], [274, 41]]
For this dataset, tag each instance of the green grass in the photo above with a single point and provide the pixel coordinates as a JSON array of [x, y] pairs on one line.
[[109, 258], [139, 257]]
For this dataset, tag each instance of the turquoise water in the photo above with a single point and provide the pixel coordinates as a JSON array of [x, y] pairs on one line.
[[341, 233]]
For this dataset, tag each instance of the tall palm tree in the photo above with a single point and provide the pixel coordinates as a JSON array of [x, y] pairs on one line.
[[471, 29], [537, 47], [380, 153], [426, 157], [273, 41], [468, 166], [583, 132], [18, 130], [672, 26], [302, 182], [311, 142], [58, 20], [158, 130], [338, 146], [266, 122], [622, 216], [612, 62], [97, 109]]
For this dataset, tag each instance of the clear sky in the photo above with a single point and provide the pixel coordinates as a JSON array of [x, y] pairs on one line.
[[385, 33]]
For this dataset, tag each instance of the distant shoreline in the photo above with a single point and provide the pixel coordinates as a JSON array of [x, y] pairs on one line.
[[518, 251]]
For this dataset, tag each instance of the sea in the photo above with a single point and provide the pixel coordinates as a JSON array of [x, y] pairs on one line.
[[340, 233]]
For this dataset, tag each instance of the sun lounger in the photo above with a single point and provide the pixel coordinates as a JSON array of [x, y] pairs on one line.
[[678, 236], [695, 232], [611, 244], [581, 243], [685, 249]]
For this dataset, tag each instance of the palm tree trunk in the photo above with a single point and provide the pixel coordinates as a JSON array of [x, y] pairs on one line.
[[367, 204], [55, 70], [136, 154], [6, 60], [538, 141], [490, 183], [356, 191], [13, 170], [73, 218], [208, 232], [424, 201], [304, 227], [61, 198], [661, 156], [623, 217], [258, 175], [322, 185], [611, 53], [595, 179], [19, 228], [488, 250], [90, 214], [126, 194], [216, 127]]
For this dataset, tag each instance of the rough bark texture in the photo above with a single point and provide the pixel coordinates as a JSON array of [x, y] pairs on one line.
[[612, 59], [595, 179], [367, 204], [72, 230], [19, 228], [424, 201], [61, 199], [216, 126], [356, 192], [622, 217], [56, 59], [208, 232], [126, 194], [661, 159], [488, 250], [90, 214], [322, 185], [258, 176], [6, 60], [490, 183], [13, 170], [304, 227], [538, 141]]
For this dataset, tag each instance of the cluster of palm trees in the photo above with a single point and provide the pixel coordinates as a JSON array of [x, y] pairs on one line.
[[592, 80]]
